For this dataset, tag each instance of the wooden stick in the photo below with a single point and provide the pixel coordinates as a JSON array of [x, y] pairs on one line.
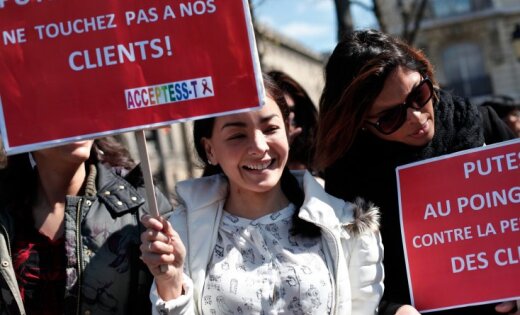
[[147, 173], [148, 180]]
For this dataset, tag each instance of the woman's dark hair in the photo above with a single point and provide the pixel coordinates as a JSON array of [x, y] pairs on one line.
[[305, 116], [18, 180], [354, 76], [204, 129], [113, 153], [502, 105]]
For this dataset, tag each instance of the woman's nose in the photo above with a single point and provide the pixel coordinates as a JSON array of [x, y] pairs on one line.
[[258, 144], [413, 114]]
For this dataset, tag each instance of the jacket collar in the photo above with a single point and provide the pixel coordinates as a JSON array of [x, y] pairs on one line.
[[117, 193], [197, 194], [200, 192], [114, 191], [319, 207]]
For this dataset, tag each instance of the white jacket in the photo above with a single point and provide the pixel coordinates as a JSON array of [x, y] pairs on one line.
[[350, 235]]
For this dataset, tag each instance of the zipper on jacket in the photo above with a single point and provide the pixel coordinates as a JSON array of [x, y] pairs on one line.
[[17, 298], [79, 253], [4, 230], [336, 261]]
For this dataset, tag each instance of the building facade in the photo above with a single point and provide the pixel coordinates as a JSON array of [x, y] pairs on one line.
[[470, 43], [279, 52]]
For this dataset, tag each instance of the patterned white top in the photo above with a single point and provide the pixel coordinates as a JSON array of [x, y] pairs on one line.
[[258, 267]]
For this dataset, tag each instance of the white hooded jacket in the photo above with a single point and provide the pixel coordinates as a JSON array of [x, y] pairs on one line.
[[350, 236]]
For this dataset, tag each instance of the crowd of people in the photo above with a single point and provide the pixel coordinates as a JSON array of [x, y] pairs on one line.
[[291, 216]]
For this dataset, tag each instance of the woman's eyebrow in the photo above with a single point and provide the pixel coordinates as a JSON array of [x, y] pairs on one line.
[[233, 124], [263, 120], [268, 118]]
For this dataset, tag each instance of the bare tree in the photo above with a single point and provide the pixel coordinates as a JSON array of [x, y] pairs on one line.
[[343, 18], [412, 15], [411, 12]]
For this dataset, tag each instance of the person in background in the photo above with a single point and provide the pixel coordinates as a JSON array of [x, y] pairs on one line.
[[256, 238], [380, 108], [70, 231], [507, 110], [303, 121]]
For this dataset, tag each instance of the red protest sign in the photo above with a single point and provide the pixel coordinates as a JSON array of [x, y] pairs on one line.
[[76, 69], [460, 224]]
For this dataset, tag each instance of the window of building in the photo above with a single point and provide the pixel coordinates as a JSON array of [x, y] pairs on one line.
[[465, 71], [446, 8]]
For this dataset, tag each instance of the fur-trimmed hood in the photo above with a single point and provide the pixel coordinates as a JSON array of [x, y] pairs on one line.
[[366, 217]]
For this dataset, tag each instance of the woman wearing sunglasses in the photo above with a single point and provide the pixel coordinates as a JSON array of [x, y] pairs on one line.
[[381, 108]]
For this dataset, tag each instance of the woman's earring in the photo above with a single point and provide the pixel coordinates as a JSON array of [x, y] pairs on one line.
[[211, 162], [363, 128]]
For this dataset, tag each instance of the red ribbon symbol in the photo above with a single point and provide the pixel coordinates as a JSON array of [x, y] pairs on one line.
[[205, 86]]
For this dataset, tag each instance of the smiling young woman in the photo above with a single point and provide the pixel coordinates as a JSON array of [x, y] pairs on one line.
[[381, 108], [254, 237]]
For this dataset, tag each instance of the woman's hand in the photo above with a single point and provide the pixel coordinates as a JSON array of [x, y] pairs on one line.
[[163, 252], [508, 307], [407, 310]]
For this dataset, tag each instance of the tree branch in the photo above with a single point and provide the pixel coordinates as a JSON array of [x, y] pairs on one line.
[[379, 16], [417, 22], [362, 4]]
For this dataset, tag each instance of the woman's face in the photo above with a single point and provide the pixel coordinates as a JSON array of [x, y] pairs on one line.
[[251, 148], [513, 121], [75, 152], [418, 128]]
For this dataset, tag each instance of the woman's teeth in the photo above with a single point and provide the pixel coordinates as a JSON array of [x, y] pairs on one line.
[[259, 167]]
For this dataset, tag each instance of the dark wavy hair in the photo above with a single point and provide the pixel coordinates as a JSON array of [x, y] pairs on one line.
[[18, 180], [354, 76], [305, 116], [204, 129]]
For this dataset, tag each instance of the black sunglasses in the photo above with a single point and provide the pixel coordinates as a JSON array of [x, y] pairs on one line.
[[392, 119]]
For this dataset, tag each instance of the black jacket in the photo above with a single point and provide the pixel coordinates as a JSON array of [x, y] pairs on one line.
[[368, 170], [104, 274]]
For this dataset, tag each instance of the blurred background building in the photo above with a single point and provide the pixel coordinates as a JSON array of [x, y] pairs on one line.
[[473, 44]]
